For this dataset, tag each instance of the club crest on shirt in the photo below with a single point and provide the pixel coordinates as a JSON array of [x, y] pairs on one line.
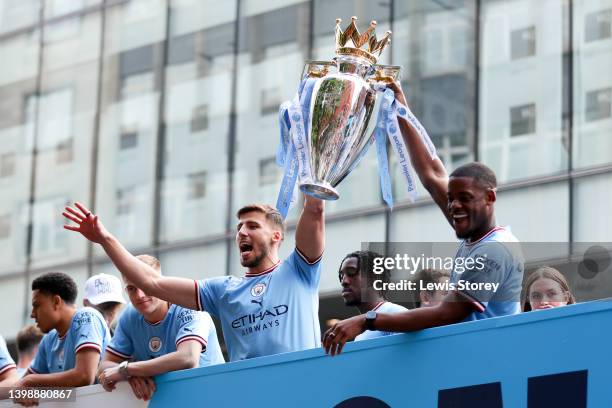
[[155, 344], [258, 290]]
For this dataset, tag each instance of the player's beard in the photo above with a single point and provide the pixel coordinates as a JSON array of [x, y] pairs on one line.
[[355, 301], [265, 251]]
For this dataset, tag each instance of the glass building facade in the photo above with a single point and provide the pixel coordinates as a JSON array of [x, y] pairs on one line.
[[162, 116]]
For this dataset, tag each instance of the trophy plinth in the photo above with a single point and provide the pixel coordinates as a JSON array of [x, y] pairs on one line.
[[322, 190]]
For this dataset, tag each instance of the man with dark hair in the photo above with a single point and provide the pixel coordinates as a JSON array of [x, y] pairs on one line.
[[488, 266], [28, 340], [357, 279], [272, 309], [69, 352]]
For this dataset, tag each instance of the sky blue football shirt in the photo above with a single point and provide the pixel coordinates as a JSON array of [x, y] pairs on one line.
[[137, 339], [87, 330], [274, 311], [6, 361], [503, 264]]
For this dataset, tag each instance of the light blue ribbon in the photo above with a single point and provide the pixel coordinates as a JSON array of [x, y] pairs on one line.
[[381, 146], [292, 153]]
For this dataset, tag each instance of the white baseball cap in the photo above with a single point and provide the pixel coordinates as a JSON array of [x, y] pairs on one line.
[[102, 288]]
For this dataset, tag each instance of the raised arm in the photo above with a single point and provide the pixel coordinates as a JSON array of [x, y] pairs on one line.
[[431, 172], [179, 291], [310, 232]]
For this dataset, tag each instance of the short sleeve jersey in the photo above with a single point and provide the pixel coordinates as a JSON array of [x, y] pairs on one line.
[[88, 330], [496, 259], [274, 311], [138, 340], [6, 361], [383, 307]]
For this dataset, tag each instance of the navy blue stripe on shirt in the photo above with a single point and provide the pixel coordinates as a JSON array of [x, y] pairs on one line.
[[118, 354], [306, 259], [193, 337], [7, 367], [95, 346]]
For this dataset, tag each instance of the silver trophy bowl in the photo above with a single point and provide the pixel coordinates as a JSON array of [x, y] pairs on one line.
[[343, 115]]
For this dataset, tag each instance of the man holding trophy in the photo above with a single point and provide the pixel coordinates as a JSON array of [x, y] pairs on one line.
[[326, 130], [272, 309]]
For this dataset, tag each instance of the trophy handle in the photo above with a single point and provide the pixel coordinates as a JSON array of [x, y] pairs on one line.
[[318, 69], [384, 74]]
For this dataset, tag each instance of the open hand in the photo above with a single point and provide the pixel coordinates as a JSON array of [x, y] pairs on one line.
[[88, 224]]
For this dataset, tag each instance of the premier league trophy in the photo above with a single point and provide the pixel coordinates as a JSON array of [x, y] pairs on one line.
[[329, 126]]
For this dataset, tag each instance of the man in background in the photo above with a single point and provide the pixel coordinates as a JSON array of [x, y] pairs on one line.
[[357, 279], [430, 298], [104, 293], [28, 340]]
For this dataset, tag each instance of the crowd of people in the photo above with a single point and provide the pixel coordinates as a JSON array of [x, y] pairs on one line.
[[273, 307]]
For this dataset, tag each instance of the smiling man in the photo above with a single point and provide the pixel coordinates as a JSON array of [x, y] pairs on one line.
[[273, 308], [155, 337], [467, 200]]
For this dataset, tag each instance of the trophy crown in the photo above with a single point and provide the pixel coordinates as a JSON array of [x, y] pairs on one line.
[[361, 44]]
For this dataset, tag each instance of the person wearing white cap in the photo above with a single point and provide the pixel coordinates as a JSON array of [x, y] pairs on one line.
[[105, 293]]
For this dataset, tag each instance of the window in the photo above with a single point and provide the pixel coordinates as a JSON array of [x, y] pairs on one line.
[[598, 25], [523, 43], [129, 138], [136, 71], [199, 118], [64, 151], [269, 172], [197, 185], [522, 120], [7, 164], [598, 104], [125, 201], [270, 101], [5, 226]]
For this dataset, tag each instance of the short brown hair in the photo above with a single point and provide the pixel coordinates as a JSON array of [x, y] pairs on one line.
[[28, 338], [271, 213], [150, 260]]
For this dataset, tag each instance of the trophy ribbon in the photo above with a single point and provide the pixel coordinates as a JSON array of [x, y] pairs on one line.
[[292, 153], [381, 148]]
